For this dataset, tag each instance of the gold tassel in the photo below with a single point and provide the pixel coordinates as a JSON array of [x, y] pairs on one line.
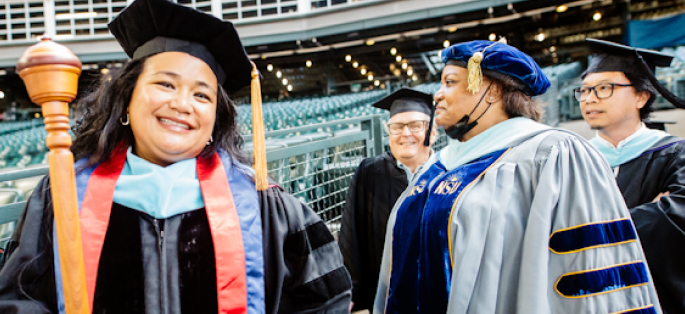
[[475, 73]]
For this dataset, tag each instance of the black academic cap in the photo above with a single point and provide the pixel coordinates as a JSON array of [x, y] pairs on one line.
[[148, 27], [407, 99], [613, 57]]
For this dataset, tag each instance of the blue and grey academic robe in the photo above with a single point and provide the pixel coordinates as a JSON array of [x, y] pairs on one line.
[[524, 219], [148, 265]]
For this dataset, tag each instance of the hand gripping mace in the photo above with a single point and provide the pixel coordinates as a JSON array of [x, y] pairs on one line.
[[50, 72]]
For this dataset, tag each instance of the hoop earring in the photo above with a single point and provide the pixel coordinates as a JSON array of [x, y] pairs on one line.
[[211, 140], [127, 120]]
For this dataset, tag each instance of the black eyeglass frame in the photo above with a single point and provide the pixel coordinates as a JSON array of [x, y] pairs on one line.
[[576, 92], [407, 125]]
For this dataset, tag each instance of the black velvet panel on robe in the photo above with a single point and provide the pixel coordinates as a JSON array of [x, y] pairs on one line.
[[303, 267], [121, 281], [376, 185], [27, 279], [120, 274], [660, 225]]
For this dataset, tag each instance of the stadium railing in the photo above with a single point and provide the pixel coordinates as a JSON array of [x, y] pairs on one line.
[[318, 173]]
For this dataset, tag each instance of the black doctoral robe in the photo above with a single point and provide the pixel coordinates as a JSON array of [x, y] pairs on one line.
[[375, 187], [303, 270], [660, 225]]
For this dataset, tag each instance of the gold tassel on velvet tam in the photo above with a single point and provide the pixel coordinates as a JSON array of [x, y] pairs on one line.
[[475, 73]]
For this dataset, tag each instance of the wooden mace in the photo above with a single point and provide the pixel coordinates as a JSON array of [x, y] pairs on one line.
[[50, 72], [259, 149]]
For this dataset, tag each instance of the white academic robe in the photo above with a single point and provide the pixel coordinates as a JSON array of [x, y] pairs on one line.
[[502, 223]]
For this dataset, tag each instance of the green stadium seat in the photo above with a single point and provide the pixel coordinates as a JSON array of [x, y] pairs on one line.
[[27, 185], [11, 195]]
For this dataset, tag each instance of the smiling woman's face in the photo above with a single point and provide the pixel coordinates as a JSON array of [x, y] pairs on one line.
[[173, 108]]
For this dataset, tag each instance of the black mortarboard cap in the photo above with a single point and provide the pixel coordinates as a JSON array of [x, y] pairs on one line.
[[613, 57], [407, 99], [148, 27]]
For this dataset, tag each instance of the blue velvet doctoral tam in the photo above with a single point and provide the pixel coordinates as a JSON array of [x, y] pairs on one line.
[[501, 58]]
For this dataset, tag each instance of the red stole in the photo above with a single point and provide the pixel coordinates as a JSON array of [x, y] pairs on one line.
[[221, 214]]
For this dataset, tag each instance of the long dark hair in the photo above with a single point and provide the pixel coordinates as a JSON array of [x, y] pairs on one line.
[[98, 129]]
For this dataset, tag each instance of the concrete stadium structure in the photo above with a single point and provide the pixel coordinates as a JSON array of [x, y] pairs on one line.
[[307, 42]]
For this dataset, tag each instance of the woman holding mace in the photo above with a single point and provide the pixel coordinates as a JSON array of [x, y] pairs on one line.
[[170, 217]]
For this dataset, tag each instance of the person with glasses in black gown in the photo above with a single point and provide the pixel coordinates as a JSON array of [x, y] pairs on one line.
[[616, 98], [378, 183]]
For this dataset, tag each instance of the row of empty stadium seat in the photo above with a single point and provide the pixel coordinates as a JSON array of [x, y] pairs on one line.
[[17, 190], [429, 88], [14, 126], [294, 113], [22, 143]]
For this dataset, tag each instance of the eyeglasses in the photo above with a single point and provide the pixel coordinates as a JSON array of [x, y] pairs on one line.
[[398, 128], [601, 91]]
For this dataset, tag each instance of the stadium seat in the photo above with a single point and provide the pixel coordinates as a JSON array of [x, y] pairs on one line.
[[11, 195]]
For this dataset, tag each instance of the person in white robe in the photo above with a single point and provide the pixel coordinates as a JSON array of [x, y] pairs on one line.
[[514, 216]]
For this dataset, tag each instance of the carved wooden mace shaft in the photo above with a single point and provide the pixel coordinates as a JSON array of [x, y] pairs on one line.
[[50, 72]]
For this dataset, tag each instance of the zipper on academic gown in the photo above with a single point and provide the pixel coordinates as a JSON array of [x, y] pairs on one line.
[[161, 249], [159, 227]]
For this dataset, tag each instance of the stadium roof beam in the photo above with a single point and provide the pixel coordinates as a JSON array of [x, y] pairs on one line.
[[376, 14], [425, 31], [428, 64]]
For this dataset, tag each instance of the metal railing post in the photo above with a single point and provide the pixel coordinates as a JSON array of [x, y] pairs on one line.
[[375, 129]]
